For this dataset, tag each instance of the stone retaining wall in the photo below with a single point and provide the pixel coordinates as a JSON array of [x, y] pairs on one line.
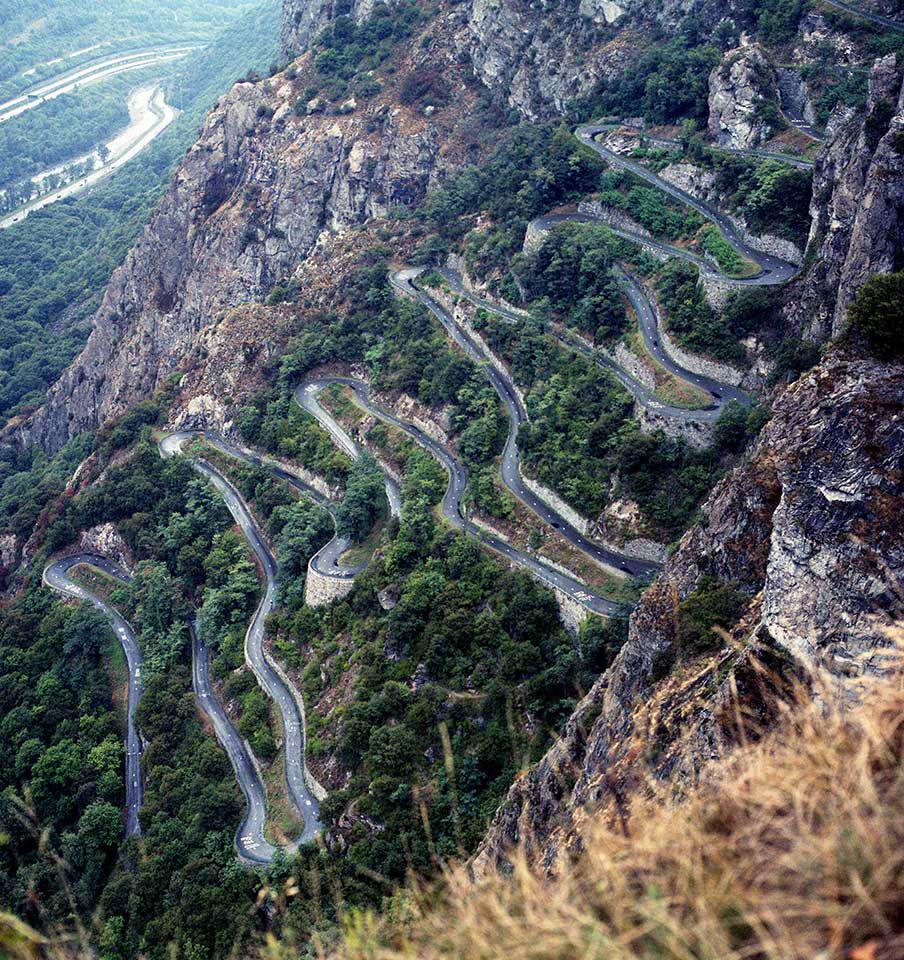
[[629, 361], [692, 361], [320, 590], [571, 613]]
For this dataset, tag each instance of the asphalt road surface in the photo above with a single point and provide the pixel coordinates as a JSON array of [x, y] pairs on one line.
[[293, 729], [56, 576], [250, 842], [720, 393], [876, 18], [511, 475]]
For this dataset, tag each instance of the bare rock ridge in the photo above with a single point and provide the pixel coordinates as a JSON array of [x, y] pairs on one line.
[[811, 530], [738, 87], [857, 226]]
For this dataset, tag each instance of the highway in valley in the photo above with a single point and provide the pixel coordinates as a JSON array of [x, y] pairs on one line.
[[150, 116], [80, 77]]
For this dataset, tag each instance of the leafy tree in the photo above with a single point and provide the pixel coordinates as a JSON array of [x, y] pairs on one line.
[[877, 314]]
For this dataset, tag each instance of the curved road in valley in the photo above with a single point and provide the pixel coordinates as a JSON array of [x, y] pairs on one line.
[[150, 117], [80, 77], [304, 801], [56, 576]]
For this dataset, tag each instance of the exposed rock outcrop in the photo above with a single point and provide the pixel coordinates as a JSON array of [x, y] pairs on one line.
[[738, 89], [107, 541], [857, 208], [811, 529], [302, 20], [539, 56], [253, 198]]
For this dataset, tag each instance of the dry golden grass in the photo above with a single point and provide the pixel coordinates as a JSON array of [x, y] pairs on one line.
[[792, 848], [795, 850]]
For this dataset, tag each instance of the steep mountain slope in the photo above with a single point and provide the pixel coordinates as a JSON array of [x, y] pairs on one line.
[[253, 197], [858, 207], [276, 173], [807, 537]]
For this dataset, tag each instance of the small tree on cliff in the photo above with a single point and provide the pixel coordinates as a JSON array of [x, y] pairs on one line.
[[878, 315]]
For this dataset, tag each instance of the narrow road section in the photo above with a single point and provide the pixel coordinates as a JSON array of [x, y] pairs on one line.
[[250, 842], [772, 270], [402, 280], [56, 576], [304, 801], [721, 393]]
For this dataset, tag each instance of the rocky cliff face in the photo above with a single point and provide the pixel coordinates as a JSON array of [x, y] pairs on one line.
[[857, 208], [738, 87], [302, 20], [811, 530], [539, 56], [253, 198]]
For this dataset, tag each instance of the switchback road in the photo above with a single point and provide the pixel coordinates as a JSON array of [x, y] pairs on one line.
[[452, 508], [299, 793]]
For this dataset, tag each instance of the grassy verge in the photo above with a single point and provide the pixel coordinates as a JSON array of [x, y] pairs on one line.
[[729, 260], [363, 551], [284, 823], [669, 388], [114, 656]]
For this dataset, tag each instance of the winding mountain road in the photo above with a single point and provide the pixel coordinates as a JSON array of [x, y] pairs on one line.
[[772, 270], [56, 576], [876, 18], [721, 393], [301, 796], [327, 560], [250, 842], [452, 500]]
